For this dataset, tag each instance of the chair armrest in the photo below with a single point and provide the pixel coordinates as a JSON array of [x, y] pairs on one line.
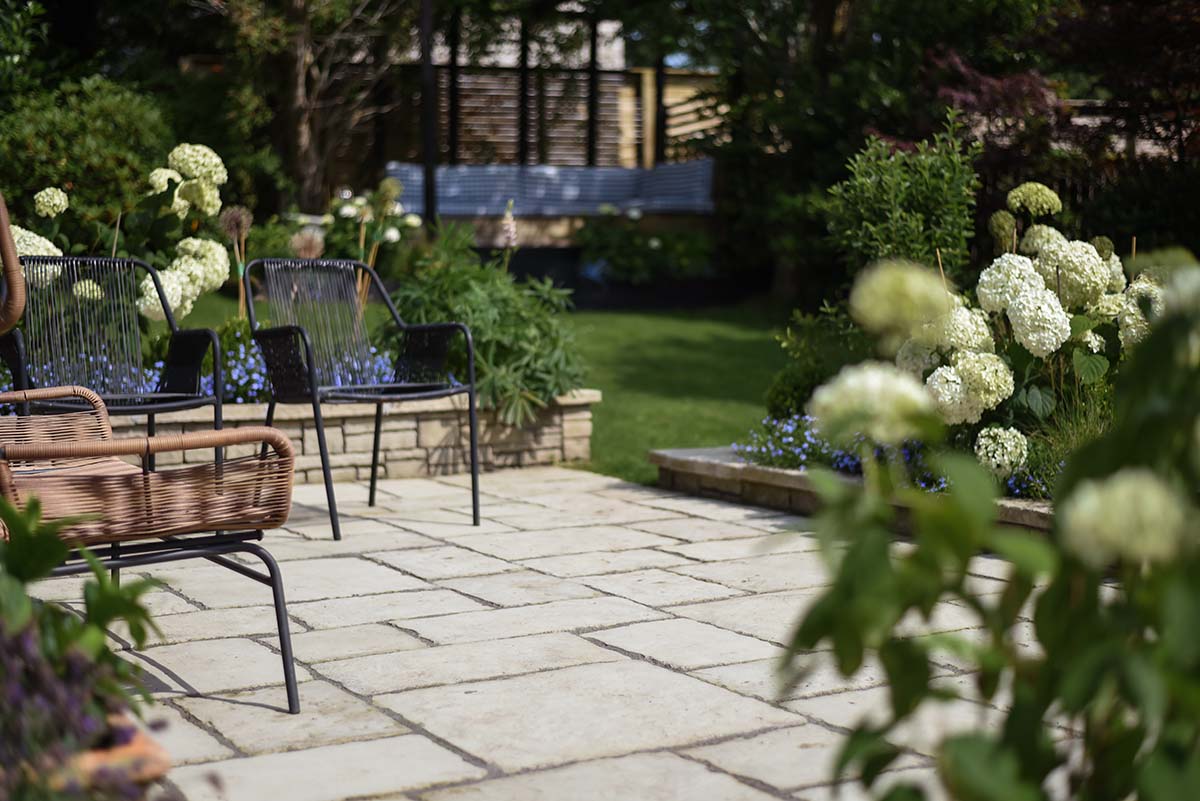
[[424, 351], [184, 364], [54, 393], [287, 353], [144, 446]]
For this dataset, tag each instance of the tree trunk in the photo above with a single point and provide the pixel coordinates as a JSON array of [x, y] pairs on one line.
[[304, 148]]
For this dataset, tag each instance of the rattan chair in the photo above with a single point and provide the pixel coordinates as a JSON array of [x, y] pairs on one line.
[[317, 350], [81, 328], [131, 516]]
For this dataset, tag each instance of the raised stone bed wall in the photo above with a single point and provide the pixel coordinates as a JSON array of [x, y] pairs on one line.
[[718, 473], [420, 438]]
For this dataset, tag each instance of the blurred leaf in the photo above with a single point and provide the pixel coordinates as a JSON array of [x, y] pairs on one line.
[[15, 606], [1031, 554], [908, 674], [1090, 367], [1040, 401], [976, 768]]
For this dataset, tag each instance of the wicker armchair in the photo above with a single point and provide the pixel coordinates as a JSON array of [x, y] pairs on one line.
[[131, 516], [317, 350]]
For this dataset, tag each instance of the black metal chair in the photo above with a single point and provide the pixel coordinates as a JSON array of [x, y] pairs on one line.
[[317, 350], [81, 327]]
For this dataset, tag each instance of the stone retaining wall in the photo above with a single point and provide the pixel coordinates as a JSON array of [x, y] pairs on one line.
[[420, 438], [718, 473]]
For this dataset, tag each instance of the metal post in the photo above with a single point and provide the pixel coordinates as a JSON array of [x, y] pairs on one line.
[[593, 90], [660, 111], [522, 96], [455, 36], [428, 113]]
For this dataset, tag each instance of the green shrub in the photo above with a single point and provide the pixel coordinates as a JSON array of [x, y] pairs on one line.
[[525, 352], [819, 345], [907, 204], [94, 138], [628, 253]]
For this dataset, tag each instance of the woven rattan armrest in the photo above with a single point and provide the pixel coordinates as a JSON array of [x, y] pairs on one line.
[[52, 393], [142, 446], [86, 422]]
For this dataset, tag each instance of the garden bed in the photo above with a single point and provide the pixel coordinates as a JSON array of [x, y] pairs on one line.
[[420, 438], [719, 473]]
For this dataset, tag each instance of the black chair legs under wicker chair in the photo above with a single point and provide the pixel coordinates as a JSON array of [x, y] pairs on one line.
[[317, 350]]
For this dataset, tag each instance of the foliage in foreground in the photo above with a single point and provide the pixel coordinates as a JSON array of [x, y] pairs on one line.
[[59, 677], [1101, 702]]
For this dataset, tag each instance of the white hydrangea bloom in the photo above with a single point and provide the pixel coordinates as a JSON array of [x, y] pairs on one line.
[[412, 220], [874, 399], [916, 358], [1035, 198], [198, 162], [87, 289], [1132, 515], [1007, 276], [213, 262], [30, 244], [1093, 341], [962, 329], [50, 202], [1037, 237], [1039, 322], [987, 378], [161, 178], [391, 234], [1182, 291], [203, 195], [893, 298], [1003, 451], [1108, 306], [1075, 271], [1132, 325], [347, 211], [148, 302], [954, 401], [1116, 274]]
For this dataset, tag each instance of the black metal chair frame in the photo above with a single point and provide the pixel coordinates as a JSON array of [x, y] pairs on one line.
[[285, 346], [178, 387], [215, 548]]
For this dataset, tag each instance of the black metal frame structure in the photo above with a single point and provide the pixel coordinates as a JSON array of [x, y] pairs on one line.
[[288, 353], [215, 548], [179, 385]]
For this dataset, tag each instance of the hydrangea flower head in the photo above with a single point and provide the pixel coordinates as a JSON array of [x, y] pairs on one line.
[[1039, 322], [198, 162], [1075, 271], [202, 195], [1003, 451], [987, 378], [1132, 323], [874, 399], [50, 202], [1132, 516], [1037, 200], [88, 290], [893, 298], [1037, 237], [1006, 277], [917, 358], [954, 401]]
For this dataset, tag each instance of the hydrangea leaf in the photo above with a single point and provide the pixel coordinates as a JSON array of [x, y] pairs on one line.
[[1090, 367]]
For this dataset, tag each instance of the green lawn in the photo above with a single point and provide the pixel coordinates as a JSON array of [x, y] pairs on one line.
[[673, 380]]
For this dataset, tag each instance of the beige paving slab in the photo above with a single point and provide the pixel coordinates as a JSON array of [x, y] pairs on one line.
[[445, 523], [377, 608], [582, 713], [208, 624], [578, 509], [520, 588], [443, 562], [493, 624], [601, 562], [711, 508], [640, 777], [255, 723], [216, 666], [770, 616], [300, 547], [314, 494], [763, 679], [451, 664], [329, 773], [323, 645], [303, 580], [744, 548], [782, 523], [581, 539], [923, 778], [685, 644], [186, 742], [415, 488], [770, 573], [698, 529], [656, 587]]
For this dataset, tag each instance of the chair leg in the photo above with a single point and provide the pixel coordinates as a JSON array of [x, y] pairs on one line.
[[218, 424], [281, 621], [329, 497], [473, 420], [114, 552], [150, 429], [262, 454], [375, 452]]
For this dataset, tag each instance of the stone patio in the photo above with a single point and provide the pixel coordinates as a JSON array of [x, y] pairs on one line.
[[593, 639]]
